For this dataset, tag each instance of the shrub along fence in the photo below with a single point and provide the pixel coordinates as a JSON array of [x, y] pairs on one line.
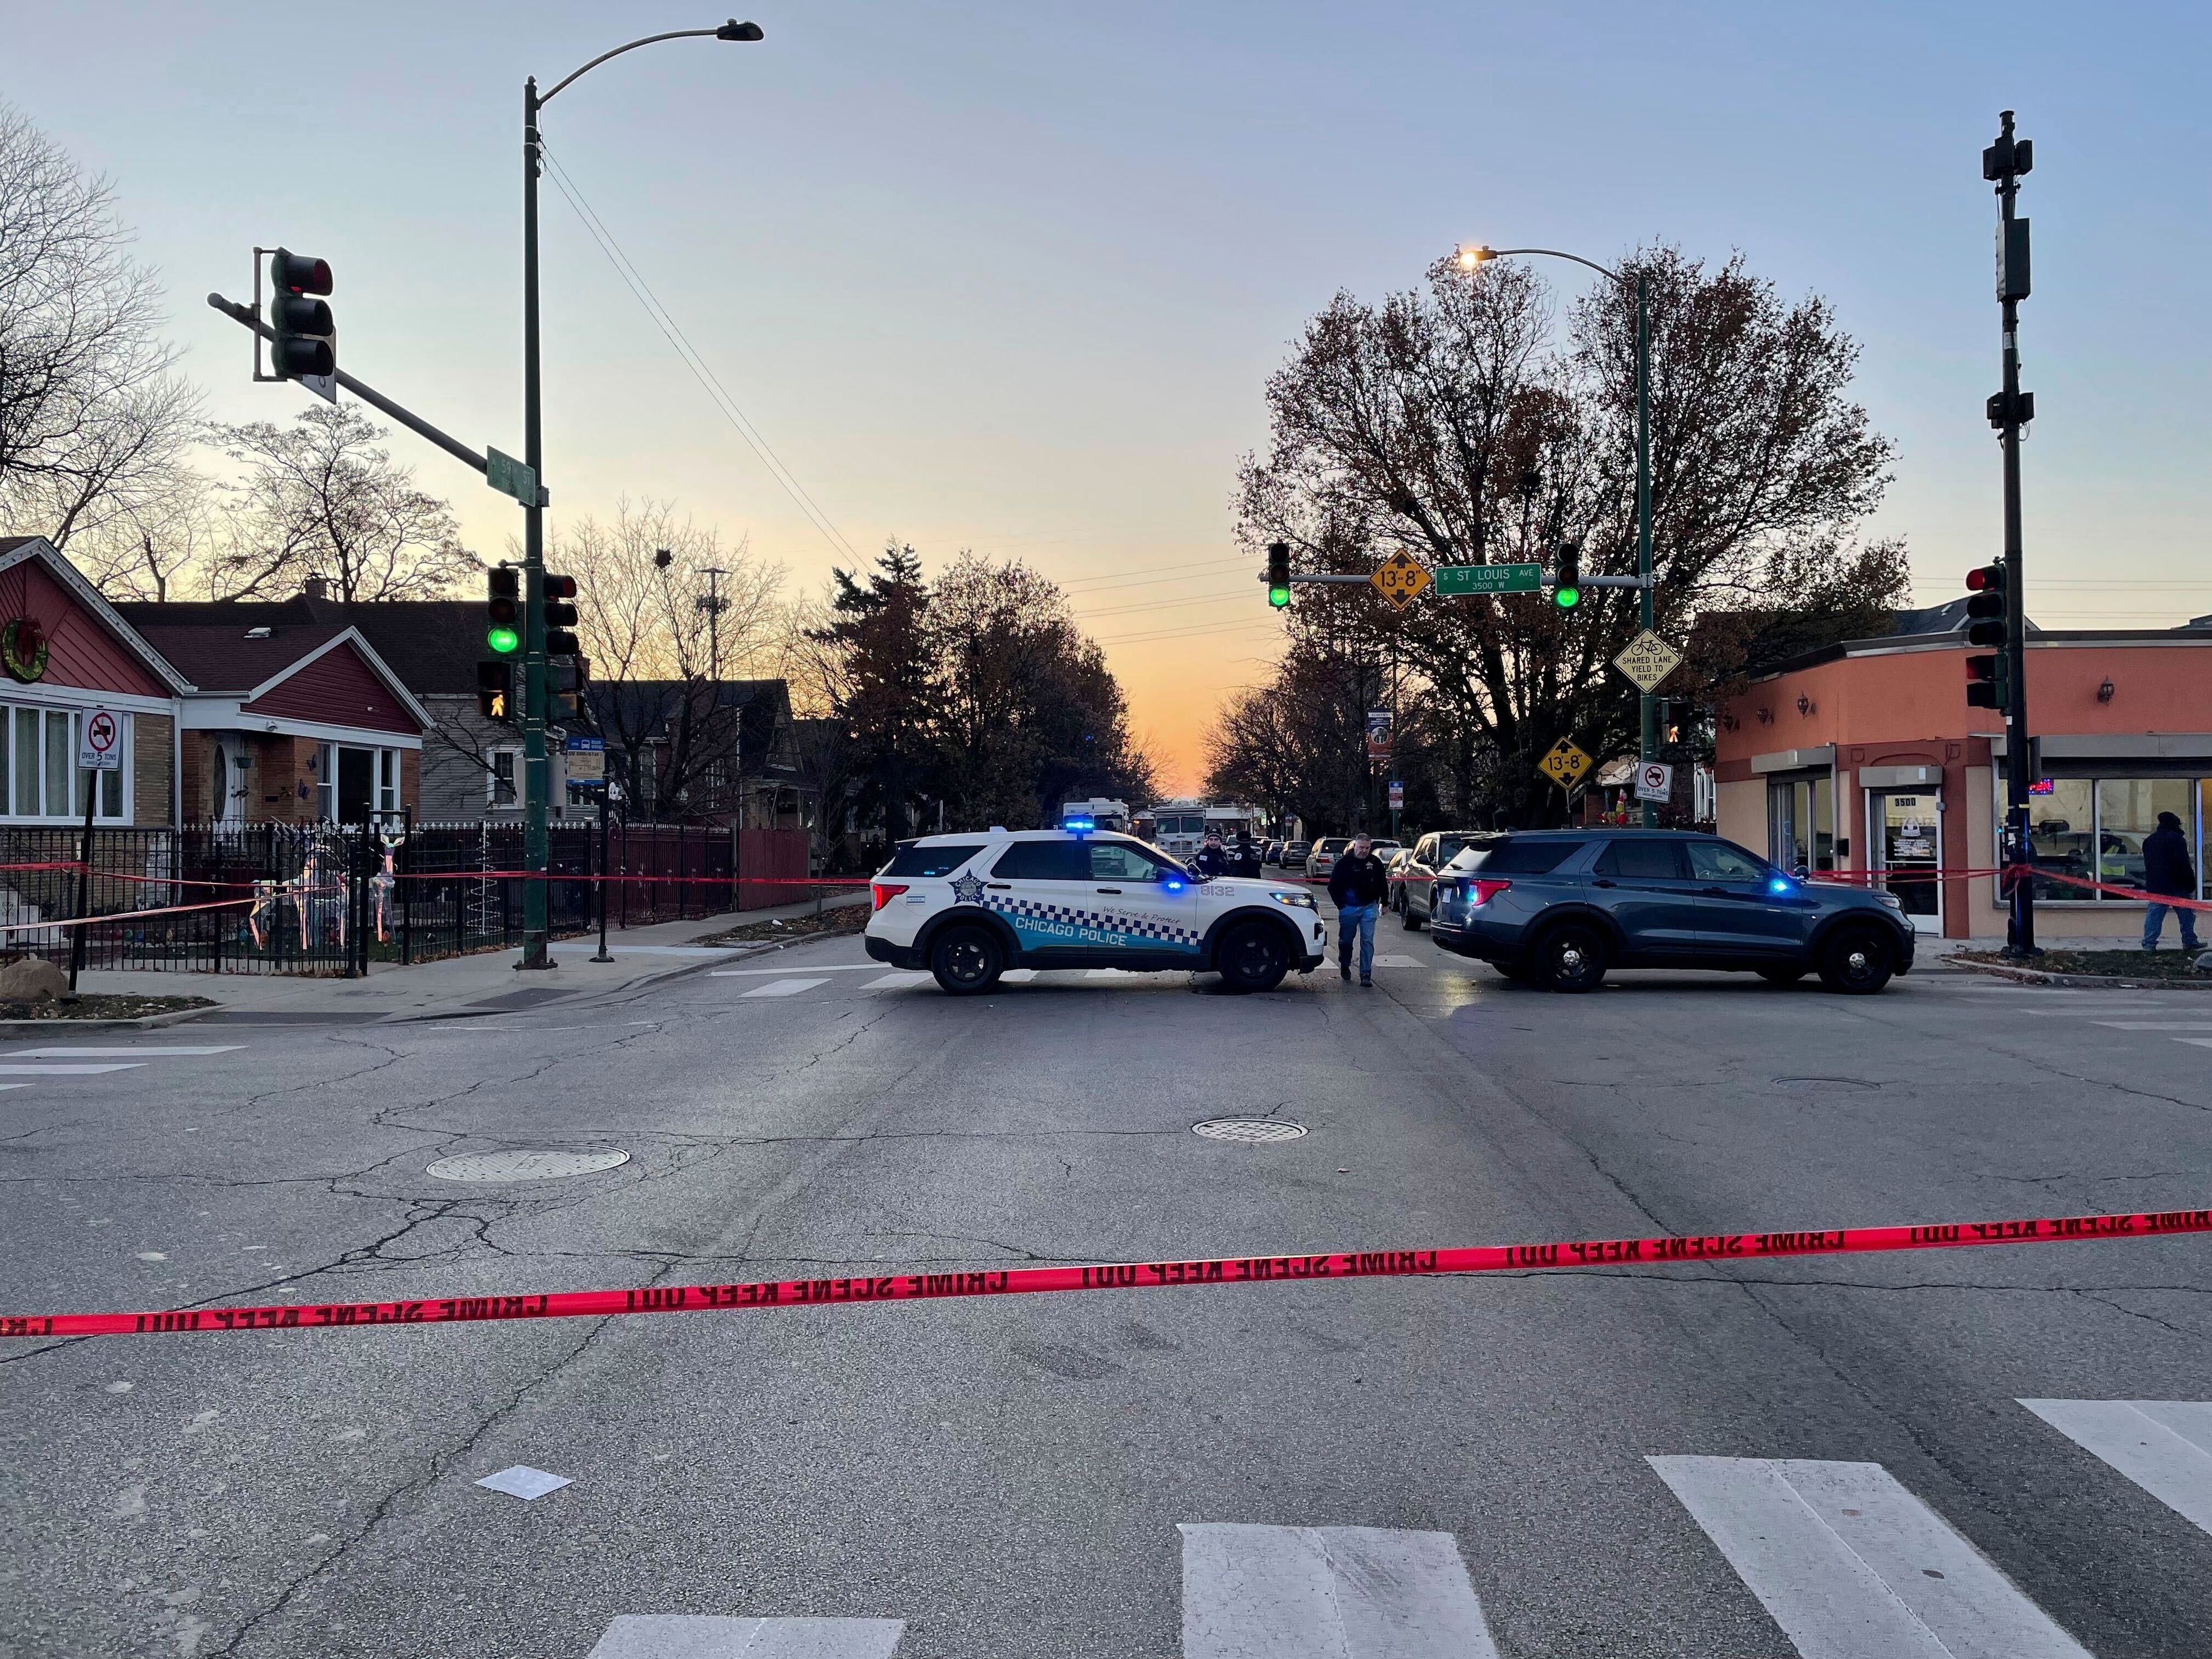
[[331, 898]]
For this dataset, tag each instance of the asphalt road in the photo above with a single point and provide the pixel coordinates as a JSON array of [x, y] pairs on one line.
[[1007, 1476]]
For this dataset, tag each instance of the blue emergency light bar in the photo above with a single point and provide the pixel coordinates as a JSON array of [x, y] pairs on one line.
[[1078, 826]]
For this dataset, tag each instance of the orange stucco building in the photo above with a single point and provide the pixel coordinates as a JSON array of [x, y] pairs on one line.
[[1864, 757]]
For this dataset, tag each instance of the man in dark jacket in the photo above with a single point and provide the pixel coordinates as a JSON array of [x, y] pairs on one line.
[[2167, 870], [1359, 885], [1213, 860], [1248, 855]]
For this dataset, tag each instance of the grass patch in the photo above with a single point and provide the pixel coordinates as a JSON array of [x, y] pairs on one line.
[[89, 1006], [2176, 965]]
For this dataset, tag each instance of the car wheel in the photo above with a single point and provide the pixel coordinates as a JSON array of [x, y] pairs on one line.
[[1406, 914], [1570, 957], [1856, 961], [966, 960], [1782, 976], [1253, 958]]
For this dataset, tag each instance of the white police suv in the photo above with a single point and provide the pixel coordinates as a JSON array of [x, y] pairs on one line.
[[969, 907]]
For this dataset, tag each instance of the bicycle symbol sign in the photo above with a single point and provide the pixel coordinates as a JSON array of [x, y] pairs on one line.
[[99, 742]]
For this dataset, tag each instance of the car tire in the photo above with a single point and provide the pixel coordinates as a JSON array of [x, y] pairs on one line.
[[1782, 976], [1252, 956], [1570, 957], [1405, 914], [966, 962], [1856, 960]]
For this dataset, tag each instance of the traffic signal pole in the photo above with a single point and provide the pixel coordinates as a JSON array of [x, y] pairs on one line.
[[1647, 710], [537, 768], [2003, 163]]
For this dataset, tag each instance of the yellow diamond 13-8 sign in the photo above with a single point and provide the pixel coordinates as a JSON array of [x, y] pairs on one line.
[[1564, 764], [1400, 578]]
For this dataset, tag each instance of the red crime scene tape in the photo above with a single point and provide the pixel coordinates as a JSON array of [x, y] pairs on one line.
[[1117, 1276]]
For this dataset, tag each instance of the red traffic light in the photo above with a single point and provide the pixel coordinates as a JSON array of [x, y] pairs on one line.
[[560, 587], [1988, 576], [299, 273]]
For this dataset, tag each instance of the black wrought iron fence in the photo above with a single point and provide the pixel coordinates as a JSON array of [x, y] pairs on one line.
[[328, 899]]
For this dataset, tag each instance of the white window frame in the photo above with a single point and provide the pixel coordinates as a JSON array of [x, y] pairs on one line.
[[513, 754], [72, 810], [386, 773], [1999, 806]]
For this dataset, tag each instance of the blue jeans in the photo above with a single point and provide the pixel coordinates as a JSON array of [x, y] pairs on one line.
[[1360, 919], [2154, 924]]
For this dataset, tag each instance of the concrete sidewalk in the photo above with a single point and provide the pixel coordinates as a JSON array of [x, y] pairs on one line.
[[486, 983]]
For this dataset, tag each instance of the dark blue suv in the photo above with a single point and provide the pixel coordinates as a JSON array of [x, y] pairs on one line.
[[1559, 907]]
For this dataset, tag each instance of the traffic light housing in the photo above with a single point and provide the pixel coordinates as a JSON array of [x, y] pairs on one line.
[[1567, 576], [1278, 574], [496, 691], [566, 681], [1986, 614], [560, 616], [1987, 681], [503, 611], [305, 337]]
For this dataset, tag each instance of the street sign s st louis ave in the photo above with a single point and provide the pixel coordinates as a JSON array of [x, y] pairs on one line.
[[1455, 579]]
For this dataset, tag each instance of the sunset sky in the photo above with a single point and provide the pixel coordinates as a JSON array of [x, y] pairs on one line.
[[1011, 277]]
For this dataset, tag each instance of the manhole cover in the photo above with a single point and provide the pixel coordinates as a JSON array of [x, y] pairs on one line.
[[1248, 1130], [524, 1166]]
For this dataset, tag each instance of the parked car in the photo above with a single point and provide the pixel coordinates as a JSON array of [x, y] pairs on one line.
[[1559, 908], [1410, 894], [1271, 853], [1294, 854], [1322, 859]]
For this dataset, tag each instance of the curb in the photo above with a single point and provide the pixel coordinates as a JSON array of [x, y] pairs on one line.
[[2081, 982], [12, 1029]]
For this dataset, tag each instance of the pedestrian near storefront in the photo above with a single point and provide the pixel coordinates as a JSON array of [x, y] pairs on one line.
[[1359, 885], [2167, 870]]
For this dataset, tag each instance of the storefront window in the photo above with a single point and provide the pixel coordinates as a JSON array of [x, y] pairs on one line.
[[1801, 816], [2093, 828]]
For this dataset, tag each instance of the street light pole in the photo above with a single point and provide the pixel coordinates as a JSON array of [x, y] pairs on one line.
[[537, 768], [1647, 706]]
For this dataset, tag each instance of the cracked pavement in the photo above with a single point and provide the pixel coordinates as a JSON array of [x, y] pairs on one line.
[[1006, 1474]]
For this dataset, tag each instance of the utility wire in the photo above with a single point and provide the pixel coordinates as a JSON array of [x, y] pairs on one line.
[[709, 382]]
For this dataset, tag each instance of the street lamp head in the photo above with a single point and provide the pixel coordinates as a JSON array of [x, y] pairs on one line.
[[1474, 253], [733, 30]]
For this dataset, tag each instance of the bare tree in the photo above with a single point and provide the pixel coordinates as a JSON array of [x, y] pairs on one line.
[[93, 418], [661, 658], [323, 498], [162, 544]]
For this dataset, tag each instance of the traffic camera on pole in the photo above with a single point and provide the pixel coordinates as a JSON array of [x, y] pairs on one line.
[[1988, 679], [1567, 576], [503, 611], [304, 338], [1278, 574], [560, 616]]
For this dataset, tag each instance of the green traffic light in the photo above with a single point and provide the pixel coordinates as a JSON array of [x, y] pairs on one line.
[[1566, 598], [1278, 596], [504, 641]]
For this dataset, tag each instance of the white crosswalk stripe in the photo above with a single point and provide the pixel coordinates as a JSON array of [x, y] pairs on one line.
[[2164, 1446], [2157, 1024], [785, 987], [690, 1636], [1853, 1566], [903, 982], [1018, 975], [811, 968], [1253, 1592], [86, 1069], [142, 1053]]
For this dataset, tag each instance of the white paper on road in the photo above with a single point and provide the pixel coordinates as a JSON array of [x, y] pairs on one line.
[[138, 1054], [2164, 1446], [690, 1635], [1853, 1566], [1252, 1592], [63, 1071], [785, 987], [523, 1482]]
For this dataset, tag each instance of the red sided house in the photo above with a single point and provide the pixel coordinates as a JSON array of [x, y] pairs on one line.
[[66, 652], [284, 722]]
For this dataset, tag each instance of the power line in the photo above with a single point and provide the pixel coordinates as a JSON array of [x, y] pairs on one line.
[[709, 382]]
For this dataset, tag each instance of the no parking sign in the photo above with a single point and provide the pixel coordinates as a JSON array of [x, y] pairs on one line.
[[99, 742]]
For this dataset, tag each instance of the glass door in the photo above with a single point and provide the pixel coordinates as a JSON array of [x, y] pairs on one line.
[[1906, 834]]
